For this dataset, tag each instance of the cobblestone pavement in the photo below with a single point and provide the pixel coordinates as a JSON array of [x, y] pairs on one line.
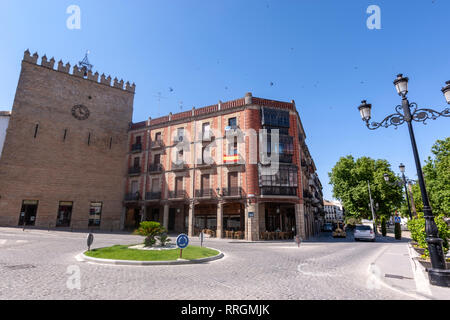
[[34, 265]]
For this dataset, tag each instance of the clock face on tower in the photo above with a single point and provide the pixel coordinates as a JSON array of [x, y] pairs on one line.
[[80, 112]]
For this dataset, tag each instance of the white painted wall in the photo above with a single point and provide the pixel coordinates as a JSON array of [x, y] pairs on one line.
[[4, 120]]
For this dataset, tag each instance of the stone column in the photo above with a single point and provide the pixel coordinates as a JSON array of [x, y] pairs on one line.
[[166, 216], [300, 220], [144, 213], [219, 231], [191, 219], [122, 218], [252, 223]]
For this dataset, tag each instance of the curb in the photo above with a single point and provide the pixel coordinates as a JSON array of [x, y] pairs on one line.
[[152, 263]]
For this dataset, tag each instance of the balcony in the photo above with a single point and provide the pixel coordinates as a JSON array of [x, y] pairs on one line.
[[155, 168], [232, 131], [134, 171], [137, 147], [204, 193], [232, 192], [152, 196], [177, 194], [283, 157], [157, 144], [279, 191], [203, 164], [135, 196], [179, 166], [178, 139], [233, 160]]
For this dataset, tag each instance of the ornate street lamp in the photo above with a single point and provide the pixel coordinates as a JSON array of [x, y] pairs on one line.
[[400, 184], [446, 91], [409, 112]]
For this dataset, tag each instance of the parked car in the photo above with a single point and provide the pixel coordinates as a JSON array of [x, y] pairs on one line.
[[328, 227], [364, 232]]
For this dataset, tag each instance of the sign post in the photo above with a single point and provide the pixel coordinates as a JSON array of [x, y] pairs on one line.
[[182, 242], [298, 240], [90, 240]]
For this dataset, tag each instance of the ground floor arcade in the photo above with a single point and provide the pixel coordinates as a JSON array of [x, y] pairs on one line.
[[235, 219]]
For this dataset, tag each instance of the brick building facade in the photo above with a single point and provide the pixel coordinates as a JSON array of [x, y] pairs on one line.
[[72, 157], [63, 158]]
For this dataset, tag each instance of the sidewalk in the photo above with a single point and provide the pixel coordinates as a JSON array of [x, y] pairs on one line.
[[399, 270]]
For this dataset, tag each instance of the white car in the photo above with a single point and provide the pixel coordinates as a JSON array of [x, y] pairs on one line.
[[364, 232]]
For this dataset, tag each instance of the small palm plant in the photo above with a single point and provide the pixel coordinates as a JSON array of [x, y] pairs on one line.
[[164, 239], [150, 230]]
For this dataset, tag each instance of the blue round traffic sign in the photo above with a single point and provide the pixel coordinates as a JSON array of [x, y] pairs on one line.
[[182, 241]]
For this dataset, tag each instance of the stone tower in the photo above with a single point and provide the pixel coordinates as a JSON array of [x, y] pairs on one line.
[[63, 161]]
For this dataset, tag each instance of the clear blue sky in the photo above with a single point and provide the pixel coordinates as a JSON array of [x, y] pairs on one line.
[[319, 53]]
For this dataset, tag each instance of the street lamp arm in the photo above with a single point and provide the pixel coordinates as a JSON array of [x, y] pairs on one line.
[[396, 119], [423, 115]]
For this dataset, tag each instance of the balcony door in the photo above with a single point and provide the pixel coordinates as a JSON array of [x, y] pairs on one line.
[[178, 187], [233, 183], [205, 186]]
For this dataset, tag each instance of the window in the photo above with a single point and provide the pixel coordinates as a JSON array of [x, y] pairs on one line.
[[138, 139], [137, 162], [95, 214], [157, 159], [285, 177], [134, 187], [233, 147], [206, 131], [156, 187], [205, 182], [232, 122], [180, 134], [179, 186], [158, 136]]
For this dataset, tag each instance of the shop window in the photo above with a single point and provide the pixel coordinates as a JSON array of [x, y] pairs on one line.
[[95, 214]]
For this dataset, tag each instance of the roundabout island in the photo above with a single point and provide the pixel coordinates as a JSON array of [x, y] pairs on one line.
[[149, 253]]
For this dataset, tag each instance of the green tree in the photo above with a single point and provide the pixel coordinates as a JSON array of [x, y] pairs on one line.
[[349, 180], [437, 177], [436, 173]]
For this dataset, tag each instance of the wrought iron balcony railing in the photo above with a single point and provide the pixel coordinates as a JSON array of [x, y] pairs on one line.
[[232, 192], [134, 170], [137, 147], [279, 191], [178, 194], [157, 144], [155, 167], [179, 166], [152, 195], [133, 196], [204, 193]]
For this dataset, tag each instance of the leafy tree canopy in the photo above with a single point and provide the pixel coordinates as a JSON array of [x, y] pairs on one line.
[[437, 179], [350, 178]]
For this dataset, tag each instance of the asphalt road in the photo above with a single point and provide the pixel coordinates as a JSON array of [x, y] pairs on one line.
[[42, 265]]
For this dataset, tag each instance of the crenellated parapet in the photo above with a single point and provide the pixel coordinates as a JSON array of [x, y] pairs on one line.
[[78, 72]]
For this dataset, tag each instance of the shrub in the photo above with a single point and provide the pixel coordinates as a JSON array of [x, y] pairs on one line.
[[150, 230], [418, 232], [398, 231]]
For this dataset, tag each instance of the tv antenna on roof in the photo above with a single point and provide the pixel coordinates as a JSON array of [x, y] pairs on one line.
[[159, 96], [85, 65]]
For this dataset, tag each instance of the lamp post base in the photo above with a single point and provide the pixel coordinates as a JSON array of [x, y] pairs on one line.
[[439, 277]]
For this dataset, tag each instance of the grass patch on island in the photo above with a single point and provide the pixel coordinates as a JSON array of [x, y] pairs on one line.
[[121, 252]]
